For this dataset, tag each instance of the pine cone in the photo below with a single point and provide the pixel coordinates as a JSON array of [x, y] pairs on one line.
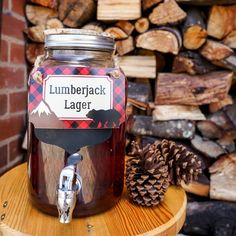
[[153, 168], [183, 165], [147, 175]]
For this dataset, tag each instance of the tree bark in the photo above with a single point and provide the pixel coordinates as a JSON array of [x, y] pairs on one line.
[[210, 218], [177, 129], [191, 63], [192, 90]]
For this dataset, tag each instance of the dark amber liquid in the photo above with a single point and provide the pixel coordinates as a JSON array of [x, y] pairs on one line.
[[102, 172]]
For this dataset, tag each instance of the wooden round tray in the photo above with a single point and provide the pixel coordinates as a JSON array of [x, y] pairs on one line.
[[18, 217]]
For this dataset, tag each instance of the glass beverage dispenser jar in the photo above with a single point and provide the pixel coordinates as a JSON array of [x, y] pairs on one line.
[[76, 125]]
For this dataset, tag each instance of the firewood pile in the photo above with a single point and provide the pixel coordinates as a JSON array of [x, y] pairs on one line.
[[179, 57]]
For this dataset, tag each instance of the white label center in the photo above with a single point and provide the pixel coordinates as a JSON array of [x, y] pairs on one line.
[[72, 97]]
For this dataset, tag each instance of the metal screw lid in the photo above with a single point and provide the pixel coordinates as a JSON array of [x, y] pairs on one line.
[[78, 38]]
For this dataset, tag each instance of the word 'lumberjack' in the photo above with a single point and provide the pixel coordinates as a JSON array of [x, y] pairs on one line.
[[85, 90]]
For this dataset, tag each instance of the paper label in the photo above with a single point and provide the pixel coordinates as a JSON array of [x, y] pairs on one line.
[[76, 97]]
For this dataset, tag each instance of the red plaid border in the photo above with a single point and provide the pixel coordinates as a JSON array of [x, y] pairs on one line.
[[119, 88]]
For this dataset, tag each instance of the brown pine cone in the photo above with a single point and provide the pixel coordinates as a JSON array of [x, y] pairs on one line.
[[183, 165], [147, 175]]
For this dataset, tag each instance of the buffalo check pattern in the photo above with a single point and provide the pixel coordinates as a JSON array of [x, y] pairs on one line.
[[119, 90]]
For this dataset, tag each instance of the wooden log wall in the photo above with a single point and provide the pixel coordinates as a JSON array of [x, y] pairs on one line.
[[179, 57]]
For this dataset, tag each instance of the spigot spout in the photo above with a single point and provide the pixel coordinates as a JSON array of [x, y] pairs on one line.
[[69, 185], [65, 205]]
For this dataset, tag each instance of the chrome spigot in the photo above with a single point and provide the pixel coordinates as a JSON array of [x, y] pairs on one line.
[[70, 184]]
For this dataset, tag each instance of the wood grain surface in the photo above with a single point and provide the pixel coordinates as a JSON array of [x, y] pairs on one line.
[[18, 217]]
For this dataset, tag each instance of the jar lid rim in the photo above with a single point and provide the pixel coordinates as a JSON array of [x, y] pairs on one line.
[[79, 38]]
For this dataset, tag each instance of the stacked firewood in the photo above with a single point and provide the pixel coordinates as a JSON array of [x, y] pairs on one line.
[[179, 57]]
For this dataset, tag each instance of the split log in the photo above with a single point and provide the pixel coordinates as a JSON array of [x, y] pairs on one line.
[[35, 33], [192, 63], [177, 129], [126, 26], [118, 10], [219, 54], [201, 187], [81, 12], [138, 66], [65, 6], [146, 4], [167, 12], [192, 90], [46, 3], [230, 39], [125, 46], [210, 218], [206, 2], [139, 92], [222, 120], [216, 106], [228, 63], [177, 112], [54, 23], [215, 51], [94, 26], [166, 40], [137, 104], [207, 147], [142, 25], [160, 58], [209, 129], [194, 30], [230, 112], [223, 175], [221, 21], [38, 15], [227, 142], [33, 50], [117, 32]]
